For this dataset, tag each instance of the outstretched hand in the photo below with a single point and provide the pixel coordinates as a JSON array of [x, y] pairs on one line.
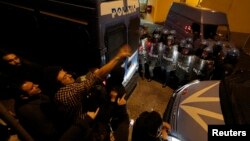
[[92, 115], [125, 51], [121, 101]]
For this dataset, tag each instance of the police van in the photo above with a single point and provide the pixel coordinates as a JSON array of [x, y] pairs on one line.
[[197, 22], [76, 34]]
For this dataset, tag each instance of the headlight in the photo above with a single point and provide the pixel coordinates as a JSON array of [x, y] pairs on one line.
[[171, 138]]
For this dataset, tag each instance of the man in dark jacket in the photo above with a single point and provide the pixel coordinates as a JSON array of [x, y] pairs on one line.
[[34, 111], [112, 122]]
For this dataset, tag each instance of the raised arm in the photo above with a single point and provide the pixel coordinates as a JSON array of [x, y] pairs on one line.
[[125, 51]]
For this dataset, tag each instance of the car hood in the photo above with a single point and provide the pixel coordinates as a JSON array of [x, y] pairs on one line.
[[196, 106]]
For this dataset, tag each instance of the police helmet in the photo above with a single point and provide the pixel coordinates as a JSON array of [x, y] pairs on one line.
[[157, 30], [157, 36], [170, 37], [217, 47], [204, 42], [172, 32], [183, 42], [218, 43], [189, 40], [165, 31], [233, 52], [208, 49], [188, 46]]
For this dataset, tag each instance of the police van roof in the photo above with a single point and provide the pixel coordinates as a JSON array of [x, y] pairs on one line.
[[199, 14]]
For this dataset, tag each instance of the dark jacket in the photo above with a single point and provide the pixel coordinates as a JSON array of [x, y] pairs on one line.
[[35, 116]]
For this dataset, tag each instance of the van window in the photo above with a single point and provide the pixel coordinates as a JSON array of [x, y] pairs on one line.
[[196, 31], [216, 32], [222, 33], [209, 31]]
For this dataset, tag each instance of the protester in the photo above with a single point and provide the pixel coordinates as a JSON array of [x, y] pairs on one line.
[[68, 94], [149, 126], [34, 112], [16, 67]]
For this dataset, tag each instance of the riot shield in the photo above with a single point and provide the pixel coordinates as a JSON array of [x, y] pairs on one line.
[[202, 69], [170, 57], [156, 53], [184, 68], [142, 51]]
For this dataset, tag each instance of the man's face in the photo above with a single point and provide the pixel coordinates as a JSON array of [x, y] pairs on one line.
[[31, 88], [12, 59], [65, 78]]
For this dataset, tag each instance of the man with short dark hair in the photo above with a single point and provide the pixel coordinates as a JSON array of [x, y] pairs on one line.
[[69, 94], [149, 126], [16, 67], [32, 108]]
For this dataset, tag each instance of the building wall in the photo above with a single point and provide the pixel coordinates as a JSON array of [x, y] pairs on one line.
[[237, 12], [159, 10], [238, 17]]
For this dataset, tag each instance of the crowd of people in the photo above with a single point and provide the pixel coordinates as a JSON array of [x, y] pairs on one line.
[[183, 60], [53, 105]]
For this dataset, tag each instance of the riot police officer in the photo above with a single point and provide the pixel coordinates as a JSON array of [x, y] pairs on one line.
[[143, 55], [158, 30], [164, 35], [144, 44], [154, 55], [170, 58], [207, 53], [231, 59], [232, 55], [187, 49], [217, 48], [182, 44], [143, 30], [220, 52], [173, 32], [198, 51], [204, 65], [189, 40], [185, 65], [225, 61]]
